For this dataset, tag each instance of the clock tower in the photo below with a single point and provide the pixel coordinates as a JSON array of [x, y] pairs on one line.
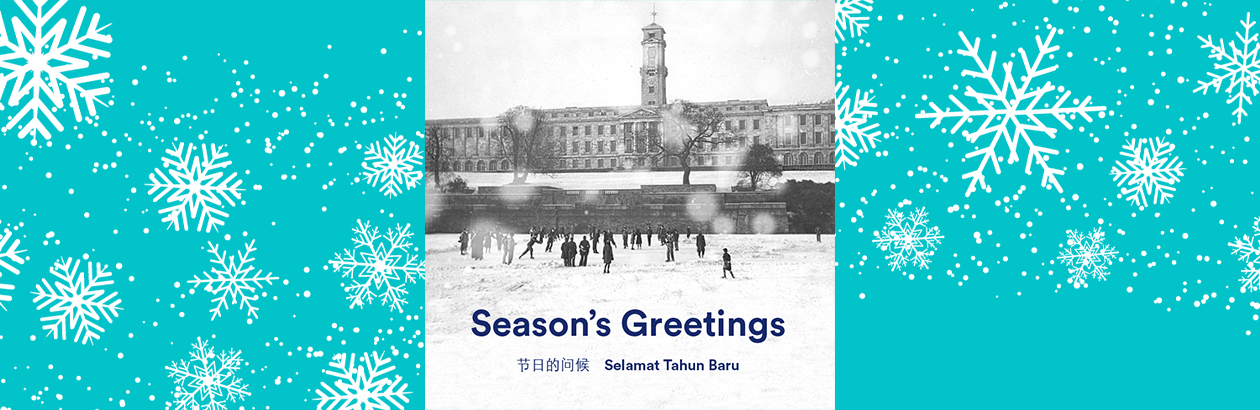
[[652, 74]]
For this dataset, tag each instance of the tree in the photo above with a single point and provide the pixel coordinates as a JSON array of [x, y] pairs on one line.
[[760, 165], [685, 126], [438, 150], [526, 142]]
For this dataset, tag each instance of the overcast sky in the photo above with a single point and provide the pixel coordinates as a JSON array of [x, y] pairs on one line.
[[483, 57]]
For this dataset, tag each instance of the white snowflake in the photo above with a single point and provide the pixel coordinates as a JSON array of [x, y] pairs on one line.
[[77, 299], [908, 240], [208, 381], [379, 266], [195, 187], [38, 63], [8, 258], [853, 132], [1248, 251], [1086, 256], [1147, 171], [233, 277], [847, 18], [1008, 104], [361, 386], [399, 165], [1242, 67]]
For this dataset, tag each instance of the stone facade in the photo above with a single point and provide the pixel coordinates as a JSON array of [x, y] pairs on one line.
[[604, 138], [701, 207]]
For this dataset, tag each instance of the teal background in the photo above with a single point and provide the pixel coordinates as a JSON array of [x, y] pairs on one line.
[[286, 44], [1005, 340]]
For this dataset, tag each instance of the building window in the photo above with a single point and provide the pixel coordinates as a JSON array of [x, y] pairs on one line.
[[756, 124], [600, 147], [586, 130], [575, 164], [494, 165], [801, 119], [801, 139], [468, 166], [818, 158], [481, 166], [653, 102], [587, 145], [455, 166], [700, 161], [575, 130], [612, 163], [651, 89], [817, 119], [588, 163], [612, 146], [575, 147], [727, 126], [741, 125], [743, 108], [787, 160], [614, 129], [804, 158], [818, 137], [599, 129], [743, 141], [600, 163]]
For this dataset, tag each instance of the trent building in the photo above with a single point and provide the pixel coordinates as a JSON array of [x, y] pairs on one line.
[[604, 138]]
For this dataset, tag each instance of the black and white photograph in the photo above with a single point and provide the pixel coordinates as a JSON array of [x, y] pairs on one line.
[[593, 159]]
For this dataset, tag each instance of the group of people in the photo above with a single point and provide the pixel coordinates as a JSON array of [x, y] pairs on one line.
[[479, 242]]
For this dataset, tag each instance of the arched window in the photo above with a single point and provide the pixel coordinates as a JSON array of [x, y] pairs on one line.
[[803, 158], [455, 167], [468, 166], [494, 165], [787, 160], [481, 166], [507, 165], [818, 158]]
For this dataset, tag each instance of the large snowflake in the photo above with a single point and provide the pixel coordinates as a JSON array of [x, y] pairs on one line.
[[235, 278], [853, 133], [908, 239], [1016, 112], [77, 300], [196, 186], [8, 258], [1148, 171], [847, 18], [1086, 256], [1241, 67], [361, 386], [399, 165], [1248, 251], [38, 63], [208, 381], [379, 266]]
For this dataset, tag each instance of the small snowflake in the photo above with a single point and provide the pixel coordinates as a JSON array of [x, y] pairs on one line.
[[379, 266], [208, 381], [78, 299], [853, 132], [8, 258], [39, 63], [1148, 171], [196, 185], [1016, 112], [1086, 257], [847, 18], [362, 388], [233, 277], [400, 165], [1248, 251], [908, 240], [1242, 68]]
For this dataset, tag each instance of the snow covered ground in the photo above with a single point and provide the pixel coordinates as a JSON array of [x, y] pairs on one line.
[[631, 180], [783, 276]]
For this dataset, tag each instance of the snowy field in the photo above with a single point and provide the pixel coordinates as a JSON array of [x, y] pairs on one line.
[[783, 276], [631, 180]]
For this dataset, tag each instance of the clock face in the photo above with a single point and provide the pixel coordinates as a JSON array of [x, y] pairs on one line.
[[652, 53], [652, 81]]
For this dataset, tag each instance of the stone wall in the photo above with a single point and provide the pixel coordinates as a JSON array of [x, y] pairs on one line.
[[700, 207]]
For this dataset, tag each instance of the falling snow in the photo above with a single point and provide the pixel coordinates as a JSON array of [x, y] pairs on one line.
[[77, 300], [1147, 171], [399, 166], [196, 186], [234, 277], [1086, 256], [209, 380], [379, 266], [908, 240]]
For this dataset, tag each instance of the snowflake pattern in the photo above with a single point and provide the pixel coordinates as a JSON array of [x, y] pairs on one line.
[[29, 62], [853, 133], [362, 388], [1016, 114], [195, 187], [399, 166], [8, 258], [1248, 251], [77, 300], [1086, 257], [847, 18], [1148, 171], [379, 266], [208, 381], [1242, 68], [234, 277], [908, 240]]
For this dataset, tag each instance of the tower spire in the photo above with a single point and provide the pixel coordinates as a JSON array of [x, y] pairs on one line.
[[653, 13]]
